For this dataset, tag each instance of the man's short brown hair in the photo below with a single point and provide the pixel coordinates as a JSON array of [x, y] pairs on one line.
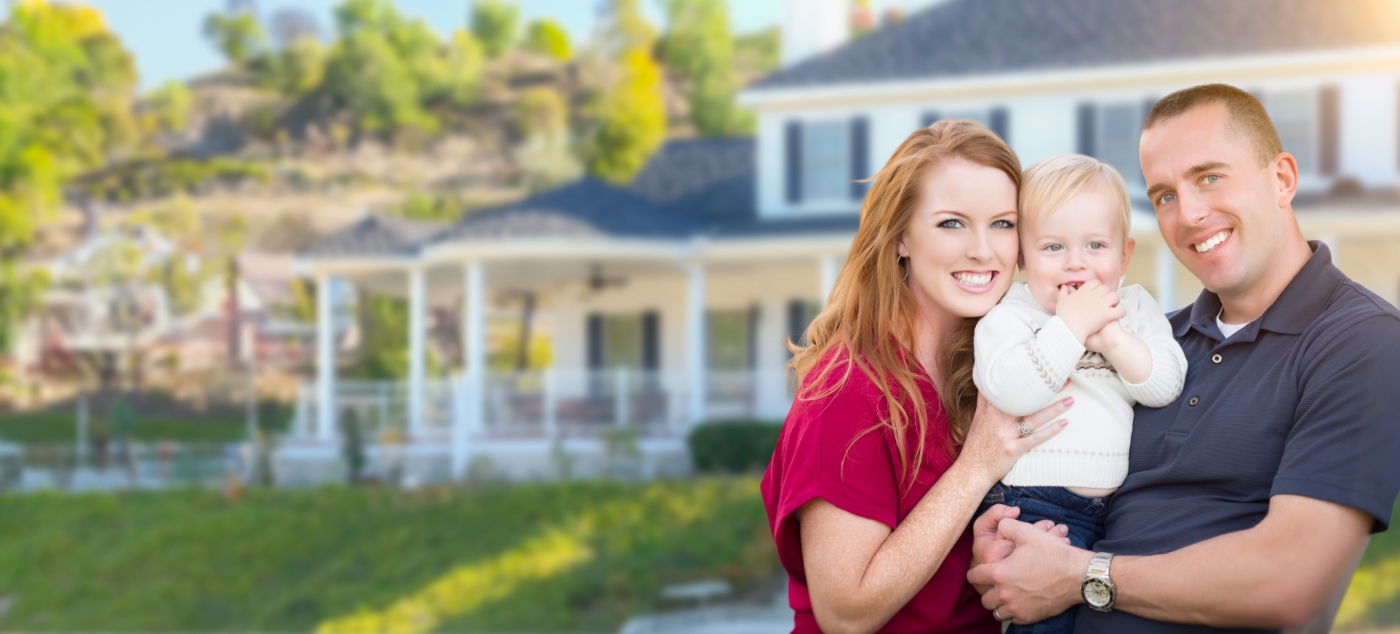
[[1247, 115]]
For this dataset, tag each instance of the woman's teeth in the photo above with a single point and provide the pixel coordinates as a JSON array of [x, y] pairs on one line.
[[974, 279], [1211, 243]]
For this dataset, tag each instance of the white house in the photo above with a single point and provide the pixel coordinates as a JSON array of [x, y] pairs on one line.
[[671, 299]]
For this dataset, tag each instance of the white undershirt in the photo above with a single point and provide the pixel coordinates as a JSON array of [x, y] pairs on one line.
[[1228, 330]]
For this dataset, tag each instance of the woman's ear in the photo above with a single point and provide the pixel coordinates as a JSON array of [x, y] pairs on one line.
[[900, 249]]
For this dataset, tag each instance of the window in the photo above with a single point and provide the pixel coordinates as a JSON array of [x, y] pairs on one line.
[[826, 155], [622, 341], [730, 334], [1295, 117], [1120, 128]]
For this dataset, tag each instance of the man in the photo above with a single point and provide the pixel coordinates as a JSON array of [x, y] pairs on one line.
[[1249, 499]]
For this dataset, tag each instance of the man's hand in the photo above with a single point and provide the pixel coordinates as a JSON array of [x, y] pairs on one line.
[[989, 546], [1088, 309], [1037, 580]]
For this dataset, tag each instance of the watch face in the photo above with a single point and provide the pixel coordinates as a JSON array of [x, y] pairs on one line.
[[1097, 593]]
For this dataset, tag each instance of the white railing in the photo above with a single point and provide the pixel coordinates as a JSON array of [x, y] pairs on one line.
[[536, 404]]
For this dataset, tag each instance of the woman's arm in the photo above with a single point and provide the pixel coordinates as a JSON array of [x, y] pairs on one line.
[[859, 572]]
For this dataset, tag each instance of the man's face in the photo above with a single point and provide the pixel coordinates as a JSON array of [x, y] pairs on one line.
[[1220, 212]]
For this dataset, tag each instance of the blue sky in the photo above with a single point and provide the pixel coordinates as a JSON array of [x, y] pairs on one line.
[[165, 38]]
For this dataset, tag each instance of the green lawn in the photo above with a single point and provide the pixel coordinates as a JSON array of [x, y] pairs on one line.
[[52, 427], [558, 557]]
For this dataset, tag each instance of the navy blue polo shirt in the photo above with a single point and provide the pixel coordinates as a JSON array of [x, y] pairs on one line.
[[1302, 401]]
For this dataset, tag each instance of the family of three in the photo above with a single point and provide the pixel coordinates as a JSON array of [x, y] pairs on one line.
[[965, 450]]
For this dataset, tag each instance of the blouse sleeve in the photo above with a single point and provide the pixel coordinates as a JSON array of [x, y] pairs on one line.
[[831, 448]]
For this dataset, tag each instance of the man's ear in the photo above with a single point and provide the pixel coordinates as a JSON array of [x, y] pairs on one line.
[[1284, 169]]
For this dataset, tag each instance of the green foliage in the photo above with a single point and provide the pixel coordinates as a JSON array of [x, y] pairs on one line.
[[758, 53], [631, 120], [494, 23], [541, 111], [548, 37], [542, 117], [466, 62], [42, 428], [288, 560], [700, 47], [148, 178], [384, 347], [422, 206], [366, 76], [20, 292], [294, 70], [170, 106], [239, 36], [733, 447], [625, 29]]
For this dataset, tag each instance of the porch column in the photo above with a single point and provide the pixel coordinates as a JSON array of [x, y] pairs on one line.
[[416, 362], [474, 353], [830, 268], [695, 343], [325, 360], [1166, 278]]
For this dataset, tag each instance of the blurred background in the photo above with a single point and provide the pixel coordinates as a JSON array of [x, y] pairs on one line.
[[449, 315]]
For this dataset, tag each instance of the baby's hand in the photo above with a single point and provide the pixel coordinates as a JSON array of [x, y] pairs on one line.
[[1087, 310], [1106, 339]]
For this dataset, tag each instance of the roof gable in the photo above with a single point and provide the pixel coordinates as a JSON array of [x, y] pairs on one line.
[[959, 38]]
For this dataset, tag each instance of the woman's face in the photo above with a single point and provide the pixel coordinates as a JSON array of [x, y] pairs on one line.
[[961, 242]]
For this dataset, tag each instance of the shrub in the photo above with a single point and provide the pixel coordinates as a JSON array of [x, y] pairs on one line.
[[733, 447]]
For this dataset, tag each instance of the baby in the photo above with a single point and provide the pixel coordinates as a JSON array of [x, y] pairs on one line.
[[1071, 331]]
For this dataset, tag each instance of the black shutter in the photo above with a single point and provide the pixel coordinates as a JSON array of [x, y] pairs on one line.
[[1329, 105], [797, 321], [651, 341], [1000, 123], [930, 118], [1086, 129], [595, 341], [860, 156], [794, 162]]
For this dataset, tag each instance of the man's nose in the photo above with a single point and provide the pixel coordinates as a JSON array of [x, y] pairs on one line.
[[1191, 209]]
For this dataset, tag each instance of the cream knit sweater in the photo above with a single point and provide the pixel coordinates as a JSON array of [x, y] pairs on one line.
[[1024, 355]]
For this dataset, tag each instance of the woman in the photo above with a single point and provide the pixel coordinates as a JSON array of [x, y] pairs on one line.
[[888, 450]]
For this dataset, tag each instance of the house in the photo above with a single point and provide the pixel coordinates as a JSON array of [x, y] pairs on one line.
[[670, 299]]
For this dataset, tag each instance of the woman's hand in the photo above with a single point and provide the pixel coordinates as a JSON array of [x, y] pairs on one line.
[[994, 441]]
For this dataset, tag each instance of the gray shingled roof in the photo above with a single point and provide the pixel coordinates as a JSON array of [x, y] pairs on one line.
[[970, 37], [710, 180], [583, 208], [374, 236]]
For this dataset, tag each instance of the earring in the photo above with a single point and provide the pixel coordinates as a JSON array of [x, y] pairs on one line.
[[899, 261]]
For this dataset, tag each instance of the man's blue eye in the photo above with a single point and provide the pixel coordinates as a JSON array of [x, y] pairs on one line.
[[1211, 178], [1166, 198]]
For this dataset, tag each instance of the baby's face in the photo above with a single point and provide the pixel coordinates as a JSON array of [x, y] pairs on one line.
[[1082, 240]]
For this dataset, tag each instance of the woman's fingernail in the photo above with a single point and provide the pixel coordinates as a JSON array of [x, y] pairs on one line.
[[1064, 421], [1068, 400]]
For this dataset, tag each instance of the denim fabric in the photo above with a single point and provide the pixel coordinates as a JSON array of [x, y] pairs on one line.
[[1083, 515]]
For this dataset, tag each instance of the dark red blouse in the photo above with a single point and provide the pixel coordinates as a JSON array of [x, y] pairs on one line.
[[812, 461]]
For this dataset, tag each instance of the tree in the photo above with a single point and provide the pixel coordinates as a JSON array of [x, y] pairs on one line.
[[366, 76], [631, 122], [291, 25], [548, 37], [542, 117], [699, 46], [67, 84], [494, 23], [239, 36], [624, 29], [170, 106], [466, 61]]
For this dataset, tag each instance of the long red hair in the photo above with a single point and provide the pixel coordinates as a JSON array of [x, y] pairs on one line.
[[869, 317]]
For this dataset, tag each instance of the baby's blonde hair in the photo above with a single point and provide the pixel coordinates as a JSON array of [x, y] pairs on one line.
[[1051, 182]]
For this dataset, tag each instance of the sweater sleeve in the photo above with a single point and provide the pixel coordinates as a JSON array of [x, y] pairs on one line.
[[1146, 321], [1018, 368]]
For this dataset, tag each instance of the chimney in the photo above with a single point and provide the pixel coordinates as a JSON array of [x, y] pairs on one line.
[[812, 27]]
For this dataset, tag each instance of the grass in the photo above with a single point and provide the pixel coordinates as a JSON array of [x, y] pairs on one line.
[[56, 428], [547, 558], [1373, 600]]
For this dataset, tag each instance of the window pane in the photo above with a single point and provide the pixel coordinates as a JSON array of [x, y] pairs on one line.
[[622, 341], [729, 340], [826, 161], [1119, 132], [1294, 114]]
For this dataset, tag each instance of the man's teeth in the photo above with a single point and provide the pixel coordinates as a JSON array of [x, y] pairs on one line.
[[1211, 243], [971, 279]]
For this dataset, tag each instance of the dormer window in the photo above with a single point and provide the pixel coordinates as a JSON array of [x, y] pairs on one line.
[[1295, 118], [1120, 129], [826, 156]]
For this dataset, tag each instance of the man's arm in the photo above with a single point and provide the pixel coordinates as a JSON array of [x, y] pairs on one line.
[[1277, 574]]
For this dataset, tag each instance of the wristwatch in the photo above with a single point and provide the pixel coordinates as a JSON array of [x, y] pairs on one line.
[[1098, 589]]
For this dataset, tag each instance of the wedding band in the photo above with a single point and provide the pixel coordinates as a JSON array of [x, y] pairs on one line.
[[996, 614], [1021, 427]]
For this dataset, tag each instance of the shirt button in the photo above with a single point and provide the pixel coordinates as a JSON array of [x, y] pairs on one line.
[[1216, 358], [1194, 400]]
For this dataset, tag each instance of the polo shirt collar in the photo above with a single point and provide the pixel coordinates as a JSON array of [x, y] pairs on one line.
[[1305, 297]]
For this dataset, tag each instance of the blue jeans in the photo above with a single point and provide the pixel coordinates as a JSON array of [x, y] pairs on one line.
[[1083, 515]]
